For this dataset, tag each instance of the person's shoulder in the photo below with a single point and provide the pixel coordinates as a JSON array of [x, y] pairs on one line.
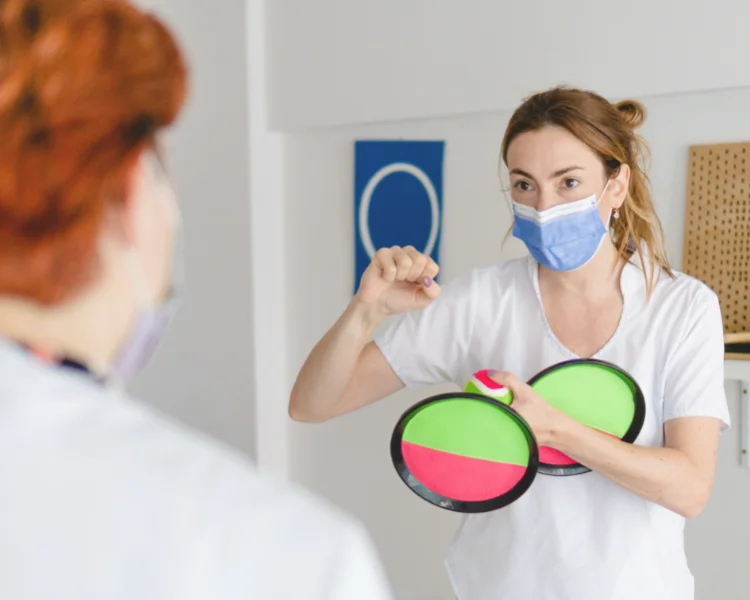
[[295, 517], [263, 528], [154, 455], [221, 492], [183, 485], [682, 291], [184, 457], [284, 529], [677, 303]]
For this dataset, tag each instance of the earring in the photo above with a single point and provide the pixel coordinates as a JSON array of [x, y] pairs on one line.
[[616, 214]]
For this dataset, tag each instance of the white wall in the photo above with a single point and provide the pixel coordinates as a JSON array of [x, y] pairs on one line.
[[204, 372], [356, 61], [348, 459]]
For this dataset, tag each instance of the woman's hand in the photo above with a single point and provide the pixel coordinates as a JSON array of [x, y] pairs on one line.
[[543, 418], [398, 280], [346, 370], [678, 477]]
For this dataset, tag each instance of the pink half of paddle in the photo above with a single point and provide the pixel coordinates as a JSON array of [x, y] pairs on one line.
[[460, 477]]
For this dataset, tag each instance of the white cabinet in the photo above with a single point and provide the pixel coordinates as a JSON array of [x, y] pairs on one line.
[[739, 370]]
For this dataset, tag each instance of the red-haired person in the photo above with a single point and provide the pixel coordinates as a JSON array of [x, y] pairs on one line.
[[100, 497], [596, 283]]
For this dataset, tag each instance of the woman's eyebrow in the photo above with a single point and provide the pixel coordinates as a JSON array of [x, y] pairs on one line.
[[557, 173]]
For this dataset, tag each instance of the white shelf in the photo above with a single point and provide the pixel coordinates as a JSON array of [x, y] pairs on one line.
[[739, 370]]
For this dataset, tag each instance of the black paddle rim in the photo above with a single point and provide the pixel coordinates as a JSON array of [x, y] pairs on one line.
[[639, 414], [453, 504]]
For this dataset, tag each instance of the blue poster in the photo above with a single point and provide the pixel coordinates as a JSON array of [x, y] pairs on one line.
[[398, 198]]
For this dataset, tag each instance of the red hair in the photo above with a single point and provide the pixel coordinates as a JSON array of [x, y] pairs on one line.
[[85, 85]]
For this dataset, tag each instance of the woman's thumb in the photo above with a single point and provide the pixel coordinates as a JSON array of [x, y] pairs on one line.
[[431, 288], [428, 291]]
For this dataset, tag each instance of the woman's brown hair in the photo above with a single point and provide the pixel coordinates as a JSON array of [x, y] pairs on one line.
[[609, 131], [85, 85]]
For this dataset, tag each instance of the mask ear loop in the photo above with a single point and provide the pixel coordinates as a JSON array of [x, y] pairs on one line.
[[503, 176], [613, 214], [604, 191]]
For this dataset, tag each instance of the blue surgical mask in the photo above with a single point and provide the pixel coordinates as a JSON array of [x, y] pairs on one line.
[[564, 237]]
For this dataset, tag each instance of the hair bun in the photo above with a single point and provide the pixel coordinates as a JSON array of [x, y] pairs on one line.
[[632, 112]]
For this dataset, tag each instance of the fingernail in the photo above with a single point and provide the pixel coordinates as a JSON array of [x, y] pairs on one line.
[[427, 282], [492, 373]]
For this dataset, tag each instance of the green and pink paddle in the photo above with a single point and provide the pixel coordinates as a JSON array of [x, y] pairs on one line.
[[471, 452]]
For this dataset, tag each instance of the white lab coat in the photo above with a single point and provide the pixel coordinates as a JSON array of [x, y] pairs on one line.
[[102, 498]]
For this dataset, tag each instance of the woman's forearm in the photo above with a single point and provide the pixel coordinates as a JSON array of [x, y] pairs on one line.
[[666, 476], [329, 368]]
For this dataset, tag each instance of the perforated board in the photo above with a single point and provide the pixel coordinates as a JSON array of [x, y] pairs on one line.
[[717, 227]]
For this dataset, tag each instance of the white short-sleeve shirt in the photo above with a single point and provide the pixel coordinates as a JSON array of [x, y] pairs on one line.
[[581, 537], [103, 498]]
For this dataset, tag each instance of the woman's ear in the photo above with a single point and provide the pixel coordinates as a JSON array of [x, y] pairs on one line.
[[619, 186]]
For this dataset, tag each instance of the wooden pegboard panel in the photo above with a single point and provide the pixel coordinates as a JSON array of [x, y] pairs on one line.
[[717, 227]]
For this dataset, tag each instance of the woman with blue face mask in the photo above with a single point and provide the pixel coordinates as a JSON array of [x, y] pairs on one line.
[[100, 496], [596, 283]]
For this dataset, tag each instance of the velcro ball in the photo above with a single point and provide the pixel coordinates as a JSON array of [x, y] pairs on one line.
[[481, 383]]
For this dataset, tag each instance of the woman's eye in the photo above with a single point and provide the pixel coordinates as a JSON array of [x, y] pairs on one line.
[[571, 183], [524, 186]]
